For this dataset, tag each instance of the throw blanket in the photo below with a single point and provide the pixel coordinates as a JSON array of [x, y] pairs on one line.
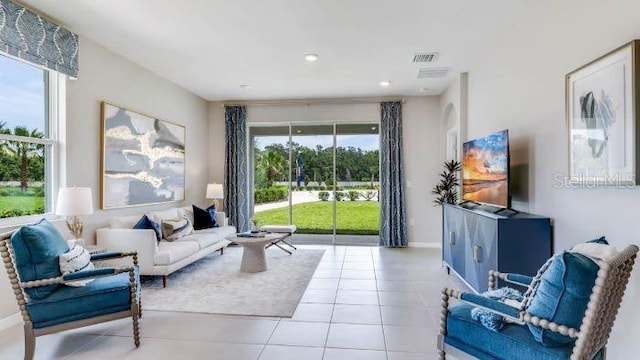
[[490, 320]]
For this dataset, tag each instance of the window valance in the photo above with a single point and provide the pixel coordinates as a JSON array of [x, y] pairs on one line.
[[30, 37]]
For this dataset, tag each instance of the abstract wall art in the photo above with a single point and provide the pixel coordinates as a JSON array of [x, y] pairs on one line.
[[143, 159], [601, 100]]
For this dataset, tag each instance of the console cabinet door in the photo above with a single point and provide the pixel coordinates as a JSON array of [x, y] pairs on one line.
[[453, 238], [481, 251]]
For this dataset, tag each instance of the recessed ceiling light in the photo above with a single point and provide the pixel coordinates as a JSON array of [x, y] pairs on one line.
[[311, 57], [373, 128], [299, 131], [385, 83]]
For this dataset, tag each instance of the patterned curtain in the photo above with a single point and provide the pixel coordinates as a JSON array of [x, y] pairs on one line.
[[393, 212], [27, 36], [236, 201]]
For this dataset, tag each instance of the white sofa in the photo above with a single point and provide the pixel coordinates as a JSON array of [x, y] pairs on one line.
[[167, 256]]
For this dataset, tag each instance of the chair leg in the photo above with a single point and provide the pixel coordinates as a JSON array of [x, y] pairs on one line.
[[136, 331], [164, 280], [29, 342], [222, 251]]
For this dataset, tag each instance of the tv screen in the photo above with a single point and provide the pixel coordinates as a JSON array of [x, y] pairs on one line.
[[485, 170]]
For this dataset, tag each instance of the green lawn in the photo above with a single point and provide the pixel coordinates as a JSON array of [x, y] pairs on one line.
[[353, 217], [21, 205]]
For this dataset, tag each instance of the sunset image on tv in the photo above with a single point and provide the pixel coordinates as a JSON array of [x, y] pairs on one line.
[[485, 167]]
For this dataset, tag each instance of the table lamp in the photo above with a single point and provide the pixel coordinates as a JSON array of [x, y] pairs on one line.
[[72, 202], [215, 193]]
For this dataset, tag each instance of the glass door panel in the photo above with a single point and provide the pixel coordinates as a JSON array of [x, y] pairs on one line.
[[312, 181], [269, 169], [357, 175]]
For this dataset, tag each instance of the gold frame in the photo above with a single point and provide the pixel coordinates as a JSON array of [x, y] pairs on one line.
[[634, 46], [103, 205]]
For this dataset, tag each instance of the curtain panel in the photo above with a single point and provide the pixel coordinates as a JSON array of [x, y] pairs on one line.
[[393, 213], [236, 201], [30, 37]]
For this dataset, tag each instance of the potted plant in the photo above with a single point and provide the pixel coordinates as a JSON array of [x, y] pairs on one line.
[[446, 190]]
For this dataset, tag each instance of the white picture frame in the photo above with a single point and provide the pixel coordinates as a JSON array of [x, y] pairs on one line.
[[601, 101]]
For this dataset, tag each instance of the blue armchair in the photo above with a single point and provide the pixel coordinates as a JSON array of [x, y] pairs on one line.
[[47, 305], [567, 313]]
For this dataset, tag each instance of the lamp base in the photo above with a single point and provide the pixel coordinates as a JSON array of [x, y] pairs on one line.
[[75, 226], [218, 204]]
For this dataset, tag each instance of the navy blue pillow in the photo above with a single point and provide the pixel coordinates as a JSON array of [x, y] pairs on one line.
[[146, 223], [204, 218]]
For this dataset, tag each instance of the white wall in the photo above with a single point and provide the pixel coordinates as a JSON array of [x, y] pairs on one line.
[[105, 75], [421, 129], [520, 86]]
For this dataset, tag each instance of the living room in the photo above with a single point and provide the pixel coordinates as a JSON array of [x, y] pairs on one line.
[[506, 66]]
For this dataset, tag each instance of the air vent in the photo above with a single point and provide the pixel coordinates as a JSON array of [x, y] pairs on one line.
[[427, 57], [430, 73]]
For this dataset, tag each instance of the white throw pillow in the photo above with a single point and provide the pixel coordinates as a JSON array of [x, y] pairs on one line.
[[74, 260], [177, 228], [187, 212]]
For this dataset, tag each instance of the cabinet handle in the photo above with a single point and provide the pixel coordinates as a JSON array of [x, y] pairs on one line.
[[452, 237], [477, 254]]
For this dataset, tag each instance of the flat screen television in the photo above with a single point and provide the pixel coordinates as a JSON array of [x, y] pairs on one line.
[[485, 170]]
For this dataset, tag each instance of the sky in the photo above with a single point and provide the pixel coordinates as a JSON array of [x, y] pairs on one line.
[[22, 96], [366, 142]]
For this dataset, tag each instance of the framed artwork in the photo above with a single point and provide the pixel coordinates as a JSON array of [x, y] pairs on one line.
[[143, 159], [602, 111]]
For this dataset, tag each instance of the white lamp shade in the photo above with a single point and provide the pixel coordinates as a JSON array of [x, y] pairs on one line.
[[214, 191], [74, 201]]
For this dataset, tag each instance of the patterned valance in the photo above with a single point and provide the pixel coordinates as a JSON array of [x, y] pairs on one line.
[[30, 37]]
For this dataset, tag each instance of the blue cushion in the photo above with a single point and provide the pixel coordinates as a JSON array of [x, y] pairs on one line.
[[512, 342], [36, 249], [563, 295], [102, 296], [146, 223], [204, 218]]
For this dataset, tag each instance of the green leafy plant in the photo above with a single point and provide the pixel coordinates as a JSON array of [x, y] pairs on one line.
[[368, 195], [339, 195], [445, 190], [353, 195], [323, 195]]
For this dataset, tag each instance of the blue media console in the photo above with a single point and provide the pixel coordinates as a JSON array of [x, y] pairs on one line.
[[476, 241]]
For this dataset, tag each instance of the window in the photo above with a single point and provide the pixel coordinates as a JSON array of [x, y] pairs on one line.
[[28, 128]]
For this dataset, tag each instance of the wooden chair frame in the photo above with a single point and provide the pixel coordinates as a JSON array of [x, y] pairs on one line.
[[593, 335], [30, 333]]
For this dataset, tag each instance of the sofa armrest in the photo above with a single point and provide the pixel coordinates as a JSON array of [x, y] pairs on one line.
[[221, 219], [142, 241]]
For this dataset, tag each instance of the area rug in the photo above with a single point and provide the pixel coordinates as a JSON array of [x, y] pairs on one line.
[[215, 285]]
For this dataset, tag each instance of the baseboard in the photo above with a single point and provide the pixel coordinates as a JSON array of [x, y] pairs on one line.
[[431, 245], [10, 321]]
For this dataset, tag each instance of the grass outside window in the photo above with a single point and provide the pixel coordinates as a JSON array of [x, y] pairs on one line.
[[353, 217]]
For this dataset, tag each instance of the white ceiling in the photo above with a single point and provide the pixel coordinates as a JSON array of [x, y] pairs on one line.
[[211, 47]]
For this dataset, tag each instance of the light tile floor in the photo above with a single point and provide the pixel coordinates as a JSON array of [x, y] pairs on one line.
[[365, 303]]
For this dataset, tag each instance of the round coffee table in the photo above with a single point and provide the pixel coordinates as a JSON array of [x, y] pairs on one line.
[[253, 256]]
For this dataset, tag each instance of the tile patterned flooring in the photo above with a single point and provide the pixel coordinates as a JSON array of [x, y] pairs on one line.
[[365, 303]]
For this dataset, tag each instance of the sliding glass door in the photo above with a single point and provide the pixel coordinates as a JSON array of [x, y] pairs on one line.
[[321, 177]]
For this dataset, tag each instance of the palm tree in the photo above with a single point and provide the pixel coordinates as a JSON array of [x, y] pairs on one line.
[[23, 150], [273, 164]]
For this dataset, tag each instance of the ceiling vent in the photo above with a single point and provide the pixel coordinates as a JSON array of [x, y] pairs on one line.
[[432, 73], [427, 57]]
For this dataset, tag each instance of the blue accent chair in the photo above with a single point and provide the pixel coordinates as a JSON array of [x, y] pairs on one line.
[[47, 305], [568, 312]]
